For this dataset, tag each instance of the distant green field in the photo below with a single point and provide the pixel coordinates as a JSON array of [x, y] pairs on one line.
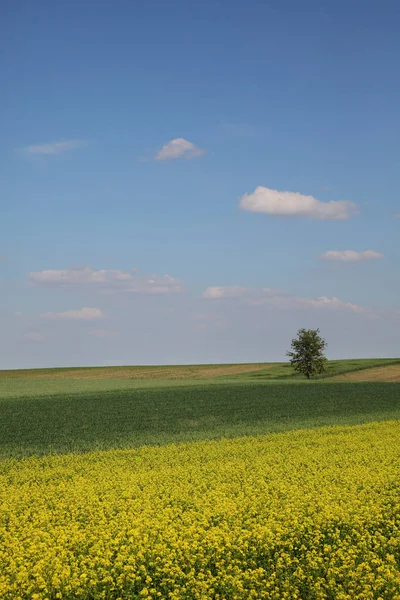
[[62, 410], [78, 422]]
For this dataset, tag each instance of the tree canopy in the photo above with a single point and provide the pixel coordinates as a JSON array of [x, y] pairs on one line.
[[307, 352]]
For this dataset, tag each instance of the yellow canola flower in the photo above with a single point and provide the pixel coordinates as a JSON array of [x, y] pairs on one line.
[[310, 514]]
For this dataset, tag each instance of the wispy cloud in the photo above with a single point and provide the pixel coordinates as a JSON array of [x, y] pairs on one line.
[[275, 298], [33, 336], [179, 148], [350, 255], [396, 216], [206, 320], [204, 316], [82, 314], [331, 303], [105, 334], [227, 291], [79, 275], [108, 280], [294, 204], [236, 291], [54, 147]]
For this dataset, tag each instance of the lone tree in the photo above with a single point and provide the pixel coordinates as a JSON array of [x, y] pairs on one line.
[[307, 355]]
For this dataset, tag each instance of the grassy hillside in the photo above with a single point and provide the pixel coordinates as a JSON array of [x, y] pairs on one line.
[[62, 410], [389, 373], [32, 382], [157, 372]]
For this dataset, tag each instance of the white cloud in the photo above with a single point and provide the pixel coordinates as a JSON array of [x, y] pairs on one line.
[[229, 291], [54, 147], [82, 314], [179, 148], [350, 255], [108, 280], [33, 336], [293, 204], [104, 333]]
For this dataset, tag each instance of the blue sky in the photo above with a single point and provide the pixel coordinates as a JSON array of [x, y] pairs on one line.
[[193, 182]]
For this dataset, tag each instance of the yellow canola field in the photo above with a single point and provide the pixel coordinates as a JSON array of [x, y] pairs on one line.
[[302, 515]]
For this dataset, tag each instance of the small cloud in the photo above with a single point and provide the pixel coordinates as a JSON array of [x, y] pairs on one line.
[[179, 148], [54, 147], [33, 336], [228, 291], [294, 204], [81, 314], [350, 255], [326, 188], [104, 334], [396, 216]]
